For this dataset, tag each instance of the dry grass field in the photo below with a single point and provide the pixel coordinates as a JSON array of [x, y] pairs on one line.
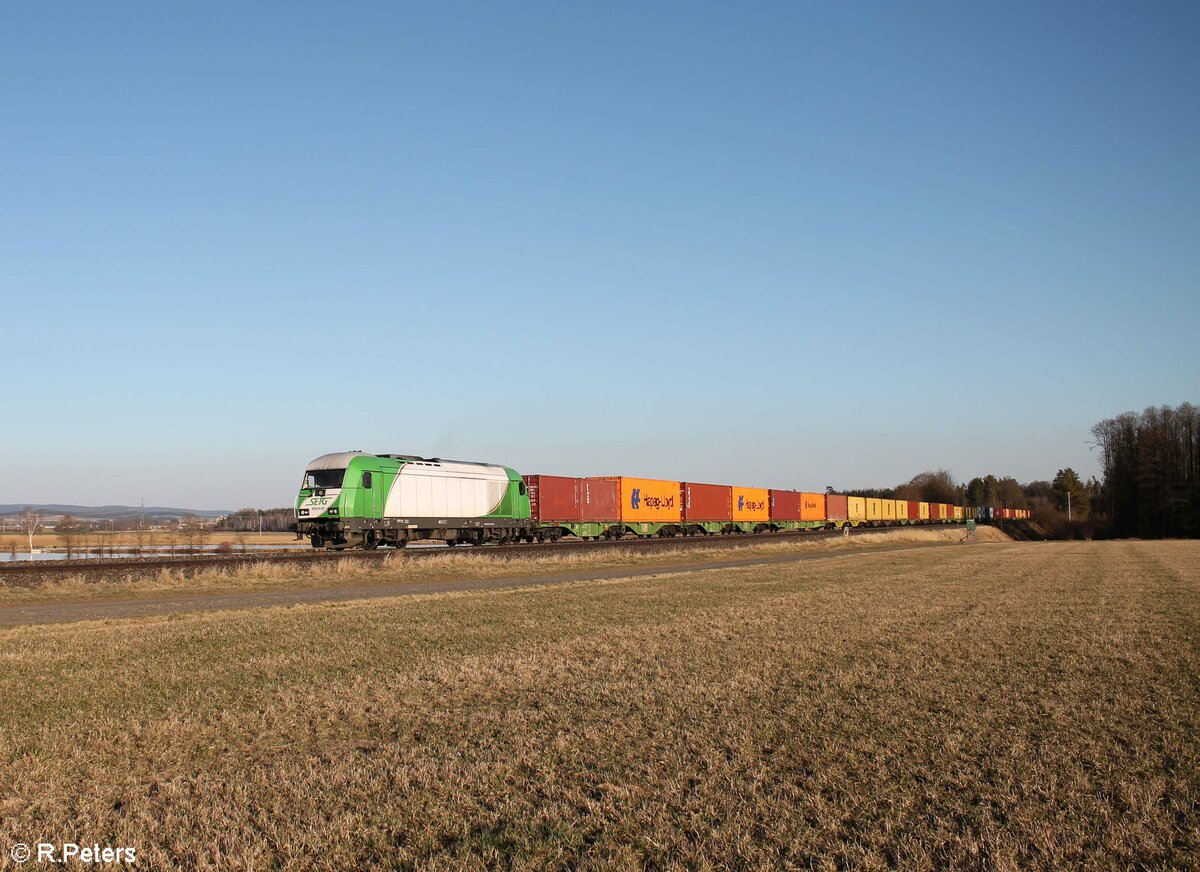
[[448, 564], [1002, 706]]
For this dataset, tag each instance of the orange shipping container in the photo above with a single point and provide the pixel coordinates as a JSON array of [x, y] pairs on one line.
[[648, 500], [751, 504], [812, 507]]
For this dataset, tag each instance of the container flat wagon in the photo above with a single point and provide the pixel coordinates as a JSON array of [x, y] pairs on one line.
[[646, 506], [797, 510], [751, 509], [707, 508]]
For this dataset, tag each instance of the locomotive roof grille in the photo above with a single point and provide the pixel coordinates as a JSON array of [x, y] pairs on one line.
[[341, 459]]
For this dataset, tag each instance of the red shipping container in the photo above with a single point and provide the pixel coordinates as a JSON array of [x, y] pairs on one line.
[[599, 500], [553, 499], [914, 510], [836, 508], [707, 502], [785, 505]]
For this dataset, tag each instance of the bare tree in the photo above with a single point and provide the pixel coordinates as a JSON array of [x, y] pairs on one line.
[[200, 534], [933, 485], [1151, 464], [193, 532], [176, 537], [29, 522], [67, 529]]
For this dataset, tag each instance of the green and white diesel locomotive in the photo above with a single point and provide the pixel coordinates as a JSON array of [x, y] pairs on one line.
[[354, 499]]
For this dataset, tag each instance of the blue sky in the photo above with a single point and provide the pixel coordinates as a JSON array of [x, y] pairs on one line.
[[784, 244]]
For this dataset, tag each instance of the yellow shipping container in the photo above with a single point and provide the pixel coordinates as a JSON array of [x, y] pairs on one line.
[[856, 508], [874, 509], [901, 510], [923, 511], [889, 510], [751, 504], [958, 512], [648, 500]]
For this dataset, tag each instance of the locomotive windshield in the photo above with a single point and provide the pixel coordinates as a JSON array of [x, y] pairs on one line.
[[324, 478]]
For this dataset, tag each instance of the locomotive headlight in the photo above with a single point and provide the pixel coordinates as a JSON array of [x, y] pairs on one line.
[[303, 512], [333, 511]]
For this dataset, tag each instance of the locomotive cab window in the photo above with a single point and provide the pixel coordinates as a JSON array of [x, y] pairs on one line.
[[366, 480], [521, 488], [315, 478]]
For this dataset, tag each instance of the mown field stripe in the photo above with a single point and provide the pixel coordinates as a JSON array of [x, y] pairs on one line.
[[58, 612]]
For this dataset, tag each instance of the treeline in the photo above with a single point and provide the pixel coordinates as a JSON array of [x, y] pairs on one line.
[[247, 521], [939, 486], [1151, 466]]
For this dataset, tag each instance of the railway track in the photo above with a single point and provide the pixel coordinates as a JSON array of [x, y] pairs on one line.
[[25, 574]]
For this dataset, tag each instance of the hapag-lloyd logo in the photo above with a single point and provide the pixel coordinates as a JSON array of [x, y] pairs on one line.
[[745, 505], [636, 501]]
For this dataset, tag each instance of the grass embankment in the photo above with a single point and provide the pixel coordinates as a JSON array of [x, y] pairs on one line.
[[157, 538], [445, 566], [1015, 706]]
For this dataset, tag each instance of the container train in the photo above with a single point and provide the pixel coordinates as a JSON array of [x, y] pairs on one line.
[[358, 500]]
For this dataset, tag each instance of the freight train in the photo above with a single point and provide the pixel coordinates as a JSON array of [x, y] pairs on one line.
[[357, 500]]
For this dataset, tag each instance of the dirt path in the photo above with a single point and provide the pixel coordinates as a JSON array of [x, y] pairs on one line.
[[51, 613]]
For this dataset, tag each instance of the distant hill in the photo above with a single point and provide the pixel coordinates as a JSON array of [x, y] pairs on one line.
[[104, 513]]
